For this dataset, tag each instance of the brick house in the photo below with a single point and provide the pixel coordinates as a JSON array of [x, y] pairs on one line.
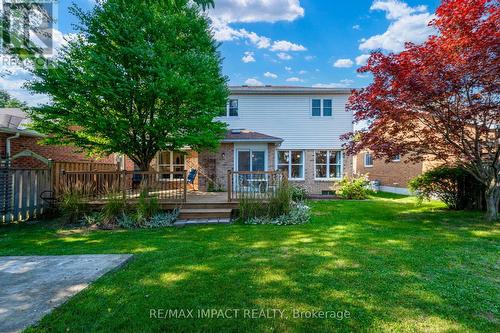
[[393, 176], [293, 129], [21, 146]]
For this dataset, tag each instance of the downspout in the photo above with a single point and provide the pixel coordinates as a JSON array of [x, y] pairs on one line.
[[7, 146]]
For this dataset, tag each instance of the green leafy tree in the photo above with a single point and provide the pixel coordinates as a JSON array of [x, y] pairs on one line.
[[7, 101], [141, 76]]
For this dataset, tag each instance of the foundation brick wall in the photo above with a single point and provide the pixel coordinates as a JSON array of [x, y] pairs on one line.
[[394, 174]]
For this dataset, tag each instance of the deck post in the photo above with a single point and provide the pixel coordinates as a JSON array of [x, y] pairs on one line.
[[184, 199], [229, 186], [124, 186]]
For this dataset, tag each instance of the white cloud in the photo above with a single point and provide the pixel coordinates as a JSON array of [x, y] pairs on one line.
[[343, 63], [288, 69], [302, 72], [362, 59], [257, 10], [309, 58], [253, 82], [408, 24], [395, 9], [342, 84], [362, 76], [284, 56], [294, 79], [356, 27], [270, 75], [248, 57], [286, 46], [227, 12]]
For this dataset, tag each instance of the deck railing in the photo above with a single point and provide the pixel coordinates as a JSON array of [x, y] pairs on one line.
[[99, 185], [254, 184]]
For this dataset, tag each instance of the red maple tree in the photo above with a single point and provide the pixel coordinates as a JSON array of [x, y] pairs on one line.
[[439, 100]]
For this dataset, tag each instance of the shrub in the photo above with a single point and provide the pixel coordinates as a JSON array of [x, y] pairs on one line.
[[353, 188], [452, 185], [278, 203], [162, 219], [299, 214], [113, 209], [298, 193], [126, 221], [146, 207], [72, 206], [90, 219]]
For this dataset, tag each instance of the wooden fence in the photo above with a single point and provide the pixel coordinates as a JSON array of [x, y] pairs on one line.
[[20, 191]]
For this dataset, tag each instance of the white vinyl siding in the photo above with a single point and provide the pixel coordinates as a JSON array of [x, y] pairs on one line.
[[289, 117]]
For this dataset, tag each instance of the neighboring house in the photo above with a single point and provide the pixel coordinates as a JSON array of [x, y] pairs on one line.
[[20, 145], [392, 176], [293, 129]]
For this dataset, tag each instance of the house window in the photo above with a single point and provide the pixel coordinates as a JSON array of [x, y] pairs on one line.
[[368, 160], [317, 105], [396, 158], [328, 164], [169, 162], [233, 108], [327, 108], [292, 163]]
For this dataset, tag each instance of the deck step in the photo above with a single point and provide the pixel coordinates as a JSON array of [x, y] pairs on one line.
[[204, 213], [193, 222], [201, 205]]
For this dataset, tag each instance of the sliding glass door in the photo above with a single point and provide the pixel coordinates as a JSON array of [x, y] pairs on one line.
[[251, 160]]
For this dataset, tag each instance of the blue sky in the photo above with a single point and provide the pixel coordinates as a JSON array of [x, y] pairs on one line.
[[292, 42]]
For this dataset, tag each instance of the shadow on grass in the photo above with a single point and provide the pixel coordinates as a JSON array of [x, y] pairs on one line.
[[393, 265]]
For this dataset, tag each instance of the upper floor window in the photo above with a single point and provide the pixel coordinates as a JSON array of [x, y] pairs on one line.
[[321, 107], [368, 160], [396, 158], [292, 163], [328, 164], [233, 108], [316, 107]]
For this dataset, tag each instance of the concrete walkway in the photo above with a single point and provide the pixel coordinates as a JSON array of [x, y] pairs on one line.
[[31, 286]]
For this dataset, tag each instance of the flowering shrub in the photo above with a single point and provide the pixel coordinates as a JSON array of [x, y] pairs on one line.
[[354, 188]]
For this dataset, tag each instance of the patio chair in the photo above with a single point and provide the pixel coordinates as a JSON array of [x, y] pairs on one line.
[[192, 176]]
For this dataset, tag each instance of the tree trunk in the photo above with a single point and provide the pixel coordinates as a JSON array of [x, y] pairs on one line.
[[492, 200]]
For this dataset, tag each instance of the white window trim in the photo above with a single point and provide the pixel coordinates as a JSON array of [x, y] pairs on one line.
[[228, 115], [398, 159], [321, 108], [251, 150], [290, 163], [364, 160], [171, 165], [328, 165]]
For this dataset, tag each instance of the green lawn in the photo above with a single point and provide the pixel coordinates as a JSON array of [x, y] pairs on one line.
[[392, 264]]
